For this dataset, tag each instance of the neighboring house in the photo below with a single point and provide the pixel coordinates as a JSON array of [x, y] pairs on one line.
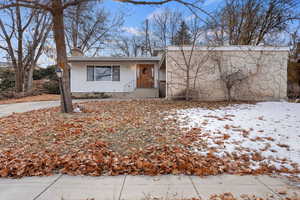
[[253, 73], [5, 64]]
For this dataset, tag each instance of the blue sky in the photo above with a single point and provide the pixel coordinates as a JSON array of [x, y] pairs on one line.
[[136, 14]]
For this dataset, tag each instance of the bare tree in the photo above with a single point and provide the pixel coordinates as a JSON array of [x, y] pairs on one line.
[[294, 42], [190, 69], [89, 27], [57, 9], [136, 44], [157, 31], [129, 46], [250, 22], [229, 74], [165, 25], [294, 63], [146, 46], [30, 29], [232, 74], [123, 46]]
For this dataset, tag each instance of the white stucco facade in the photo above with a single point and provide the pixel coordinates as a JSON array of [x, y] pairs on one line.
[[128, 77], [79, 81]]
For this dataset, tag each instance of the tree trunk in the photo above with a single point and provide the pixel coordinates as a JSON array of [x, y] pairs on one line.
[[62, 62], [20, 70], [187, 93], [229, 94], [29, 79], [19, 79]]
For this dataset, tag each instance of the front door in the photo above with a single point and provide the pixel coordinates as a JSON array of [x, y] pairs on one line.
[[145, 76]]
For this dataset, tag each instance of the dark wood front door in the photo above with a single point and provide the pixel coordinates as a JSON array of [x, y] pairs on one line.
[[145, 76]]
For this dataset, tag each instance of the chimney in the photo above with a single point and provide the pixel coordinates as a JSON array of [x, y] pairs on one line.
[[76, 52]]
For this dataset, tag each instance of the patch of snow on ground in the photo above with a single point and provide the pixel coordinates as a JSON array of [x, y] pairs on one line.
[[270, 128]]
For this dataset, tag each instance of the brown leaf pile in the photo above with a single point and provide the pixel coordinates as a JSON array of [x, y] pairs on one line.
[[117, 137]]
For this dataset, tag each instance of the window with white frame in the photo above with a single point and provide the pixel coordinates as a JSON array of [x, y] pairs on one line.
[[103, 73]]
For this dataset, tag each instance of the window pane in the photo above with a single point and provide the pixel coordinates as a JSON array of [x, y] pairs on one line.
[[103, 73], [116, 73], [90, 73]]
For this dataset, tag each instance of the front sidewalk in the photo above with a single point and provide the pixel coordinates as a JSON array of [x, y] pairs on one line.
[[127, 187]]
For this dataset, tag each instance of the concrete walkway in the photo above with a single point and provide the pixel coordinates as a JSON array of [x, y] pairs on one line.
[[65, 187]]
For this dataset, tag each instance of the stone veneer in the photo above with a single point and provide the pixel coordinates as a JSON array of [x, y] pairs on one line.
[[264, 72]]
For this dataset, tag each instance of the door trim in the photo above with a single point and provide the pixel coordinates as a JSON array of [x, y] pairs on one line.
[[144, 81]]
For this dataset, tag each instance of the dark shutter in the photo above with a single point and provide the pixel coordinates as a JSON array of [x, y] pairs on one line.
[[116, 73], [90, 73]]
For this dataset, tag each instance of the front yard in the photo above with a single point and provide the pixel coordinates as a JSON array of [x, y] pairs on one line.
[[153, 137]]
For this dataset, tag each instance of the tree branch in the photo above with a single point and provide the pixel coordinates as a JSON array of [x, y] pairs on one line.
[[27, 4]]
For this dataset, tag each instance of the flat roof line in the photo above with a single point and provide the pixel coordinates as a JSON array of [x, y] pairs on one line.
[[229, 48], [111, 59]]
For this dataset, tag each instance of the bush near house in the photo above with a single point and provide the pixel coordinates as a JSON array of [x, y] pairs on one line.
[[45, 73], [51, 87], [44, 81], [7, 79]]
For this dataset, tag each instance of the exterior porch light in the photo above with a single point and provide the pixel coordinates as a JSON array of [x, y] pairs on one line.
[[59, 73]]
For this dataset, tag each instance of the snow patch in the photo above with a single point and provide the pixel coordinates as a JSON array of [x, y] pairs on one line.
[[269, 128]]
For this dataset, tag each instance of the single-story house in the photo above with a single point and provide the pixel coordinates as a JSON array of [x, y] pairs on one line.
[[114, 76], [212, 73]]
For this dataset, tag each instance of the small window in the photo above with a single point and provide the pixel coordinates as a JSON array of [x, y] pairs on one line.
[[103, 73], [90, 73], [116, 73]]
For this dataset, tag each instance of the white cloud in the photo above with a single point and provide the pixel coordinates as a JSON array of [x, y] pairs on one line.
[[156, 12], [132, 30]]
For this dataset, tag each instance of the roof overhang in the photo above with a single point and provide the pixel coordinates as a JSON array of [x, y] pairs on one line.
[[113, 59], [229, 48]]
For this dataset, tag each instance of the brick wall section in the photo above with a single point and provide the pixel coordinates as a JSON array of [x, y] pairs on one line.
[[264, 74]]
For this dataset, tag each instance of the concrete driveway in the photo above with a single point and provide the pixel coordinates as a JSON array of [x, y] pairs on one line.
[[8, 109]]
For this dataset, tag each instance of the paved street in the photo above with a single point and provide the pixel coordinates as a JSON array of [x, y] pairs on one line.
[[65, 187]]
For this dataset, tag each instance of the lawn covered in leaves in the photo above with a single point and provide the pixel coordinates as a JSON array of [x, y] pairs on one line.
[[112, 138]]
